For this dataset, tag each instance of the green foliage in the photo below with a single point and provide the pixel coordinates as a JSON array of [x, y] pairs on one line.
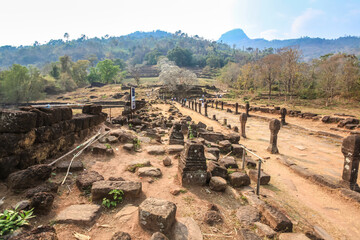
[[55, 71], [79, 72], [181, 56], [108, 146], [117, 198], [134, 167], [94, 75], [19, 84], [191, 135], [10, 220], [152, 57], [107, 70], [136, 143]]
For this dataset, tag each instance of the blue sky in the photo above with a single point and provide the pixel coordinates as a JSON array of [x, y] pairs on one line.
[[22, 22]]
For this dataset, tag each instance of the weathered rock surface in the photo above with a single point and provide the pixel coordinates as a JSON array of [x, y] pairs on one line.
[[264, 230], [173, 149], [12, 121], [42, 202], [155, 150], [101, 189], [216, 170], [39, 233], [246, 234], [138, 163], [157, 215], [238, 179], [126, 213], [213, 217], [45, 187], [76, 165], [186, 229], [79, 214], [217, 184], [167, 161], [29, 177], [248, 215], [121, 236], [264, 177], [228, 162], [85, 180], [293, 236], [149, 172], [158, 236], [275, 219]]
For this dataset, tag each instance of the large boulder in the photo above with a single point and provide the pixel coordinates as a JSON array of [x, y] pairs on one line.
[[157, 215], [217, 184], [228, 162], [239, 179], [264, 177], [12, 121], [29, 177]]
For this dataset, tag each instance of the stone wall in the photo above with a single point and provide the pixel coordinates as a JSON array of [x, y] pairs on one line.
[[30, 135]]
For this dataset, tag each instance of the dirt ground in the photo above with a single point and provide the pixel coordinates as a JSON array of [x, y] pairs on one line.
[[303, 200]]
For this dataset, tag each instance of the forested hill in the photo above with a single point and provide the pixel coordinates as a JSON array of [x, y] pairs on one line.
[[310, 47], [135, 48]]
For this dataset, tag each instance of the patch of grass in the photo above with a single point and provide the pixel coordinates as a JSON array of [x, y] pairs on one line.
[[108, 146], [183, 191], [134, 167], [189, 200], [136, 143]]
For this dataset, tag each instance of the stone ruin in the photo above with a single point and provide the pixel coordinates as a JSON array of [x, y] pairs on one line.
[[274, 129], [351, 150], [176, 136], [32, 135], [243, 119], [192, 164]]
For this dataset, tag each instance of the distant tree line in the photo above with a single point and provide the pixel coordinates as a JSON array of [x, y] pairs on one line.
[[327, 77]]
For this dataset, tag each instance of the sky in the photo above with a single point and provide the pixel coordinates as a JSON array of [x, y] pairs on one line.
[[22, 22]]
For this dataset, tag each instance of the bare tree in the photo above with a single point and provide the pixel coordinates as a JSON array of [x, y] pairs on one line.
[[289, 69], [134, 71], [269, 70]]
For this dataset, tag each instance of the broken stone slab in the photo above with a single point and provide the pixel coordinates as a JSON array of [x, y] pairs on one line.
[[149, 172], [275, 219], [173, 149], [228, 162], [155, 150], [320, 233], [86, 179], [264, 177], [247, 234], [216, 170], [210, 156], [186, 229], [239, 179], [214, 151], [217, 184], [264, 230], [139, 163], [101, 189], [76, 165], [211, 136], [157, 215], [225, 146], [126, 213], [84, 214], [236, 150], [45, 187], [233, 138], [129, 147], [29, 177], [293, 236], [248, 215]]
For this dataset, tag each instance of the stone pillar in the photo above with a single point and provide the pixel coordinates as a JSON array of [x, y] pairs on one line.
[[222, 105], [274, 129], [282, 117], [247, 107], [351, 150], [212, 103], [225, 121], [189, 103], [192, 164], [216, 104], [200, 107], [176, 136], [206, 106], [243, 119], [236, 108], [192, 105], [214, 117], [196, 106]]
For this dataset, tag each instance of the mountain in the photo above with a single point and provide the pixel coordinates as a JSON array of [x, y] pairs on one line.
[[310, 47]]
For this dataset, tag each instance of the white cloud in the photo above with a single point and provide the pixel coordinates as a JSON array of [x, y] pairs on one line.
[[302, 21], [270, 34]]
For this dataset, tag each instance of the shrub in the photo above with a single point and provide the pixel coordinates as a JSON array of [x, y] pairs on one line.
[[10, 220]]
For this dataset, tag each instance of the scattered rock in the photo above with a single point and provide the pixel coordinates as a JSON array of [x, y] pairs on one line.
[[121, 236], [264, 177], [210, 156], [101, 189], [29, 177], [174, 149], [45, 187], [246, 234], [23, 205], [42, 202], [186, 229], [275, 219], [248, 215], [158, 236], [155, 150], [214, 151], [264, 230], [238, 179], [84, 214], [139, 163], [85, 180], [228, 162], [76, 165], [157, 215], [217, 184], [129, 147], [225, 146], [149, 172], [116, 179], [167, 161], [213, 217]]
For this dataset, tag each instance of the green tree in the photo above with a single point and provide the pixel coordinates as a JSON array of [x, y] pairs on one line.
[[107, 70], [55, 71], [152, 57], [21, 84], [94, 75], [79, 72], [181, 56], [66, 63]]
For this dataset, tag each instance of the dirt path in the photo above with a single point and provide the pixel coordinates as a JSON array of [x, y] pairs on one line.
[[301, 198]]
